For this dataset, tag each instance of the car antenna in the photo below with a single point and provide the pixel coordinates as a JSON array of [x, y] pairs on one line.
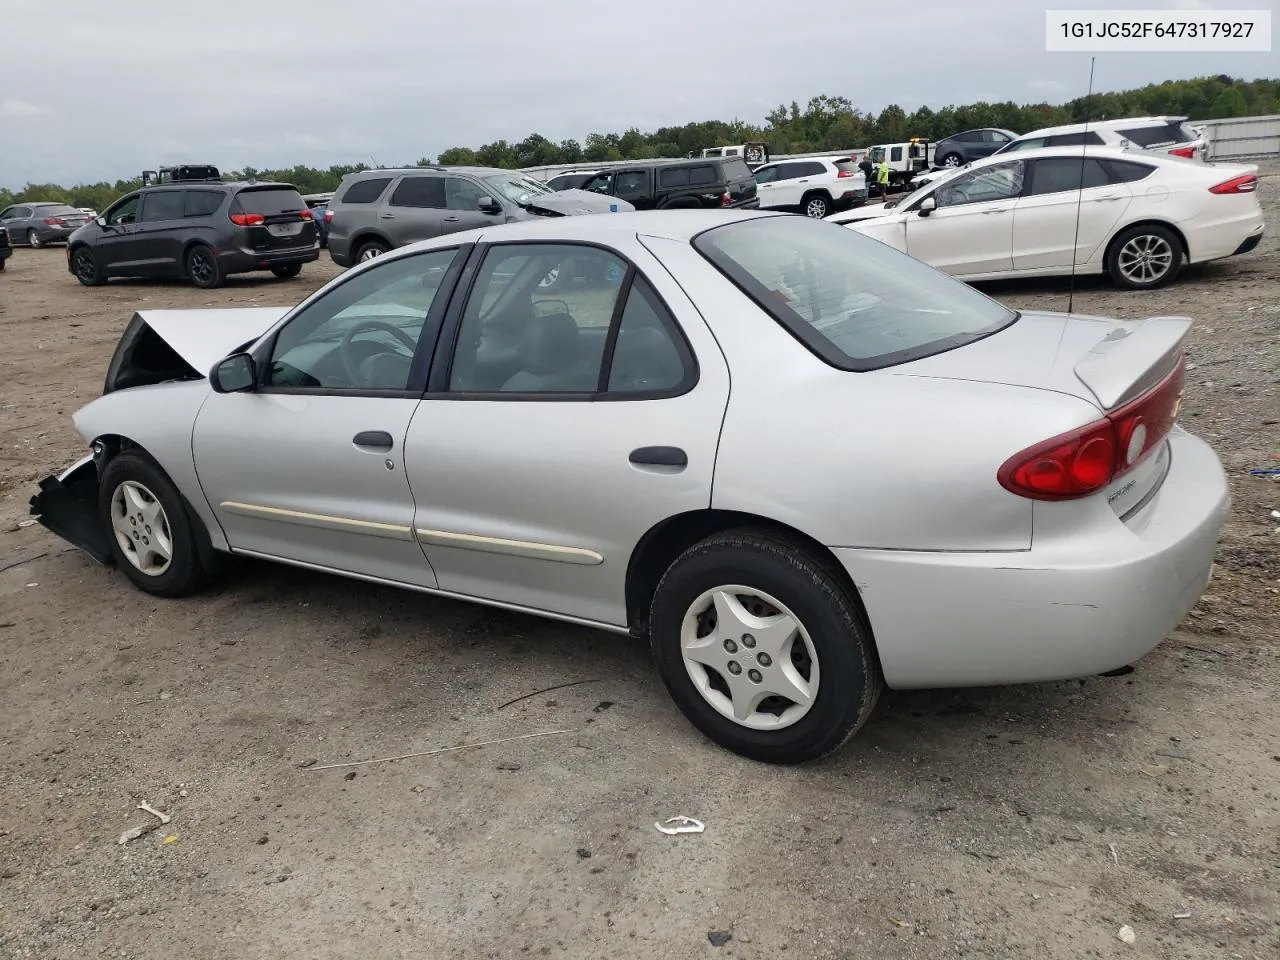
[[1084, 152]]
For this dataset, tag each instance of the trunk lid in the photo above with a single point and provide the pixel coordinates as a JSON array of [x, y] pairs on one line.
[[286, 219]]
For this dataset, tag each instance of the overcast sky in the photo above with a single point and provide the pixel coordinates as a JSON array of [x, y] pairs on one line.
[[95, 90]]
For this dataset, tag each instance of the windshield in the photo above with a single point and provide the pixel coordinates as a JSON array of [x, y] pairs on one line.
[[855, 302], [518, 188], [918, 192]]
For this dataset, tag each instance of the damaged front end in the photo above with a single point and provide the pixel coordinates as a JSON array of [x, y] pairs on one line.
[[67, 506]]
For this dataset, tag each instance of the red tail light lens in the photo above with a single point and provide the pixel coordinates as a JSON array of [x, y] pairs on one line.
[[248, 219], [844, 173], [1083, 461], [328, 216], [304, 215], [1188, 152], [55, 221], [725, 199], [1246, 184]]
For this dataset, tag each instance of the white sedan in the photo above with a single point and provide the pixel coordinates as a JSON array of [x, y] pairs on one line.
[[1138, 217], [802, 465]]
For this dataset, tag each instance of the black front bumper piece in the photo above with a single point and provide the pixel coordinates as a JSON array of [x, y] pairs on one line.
[[67, 506]]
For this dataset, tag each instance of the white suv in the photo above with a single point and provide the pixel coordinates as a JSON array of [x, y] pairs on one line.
[[1157, 134], [816, 186]]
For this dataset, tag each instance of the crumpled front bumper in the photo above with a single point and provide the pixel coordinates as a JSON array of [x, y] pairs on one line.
[[67, 505]]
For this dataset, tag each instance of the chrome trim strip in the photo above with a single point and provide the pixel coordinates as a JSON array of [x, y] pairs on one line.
[[512, 548], [388, 531], [437, 592]]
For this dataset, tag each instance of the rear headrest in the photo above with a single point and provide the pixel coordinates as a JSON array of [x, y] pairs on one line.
[[549, 343]]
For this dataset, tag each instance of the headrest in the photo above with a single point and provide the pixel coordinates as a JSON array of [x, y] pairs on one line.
[[549, 343]]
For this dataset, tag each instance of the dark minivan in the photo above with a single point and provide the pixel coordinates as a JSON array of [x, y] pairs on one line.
[[201, 230], [708, 183]]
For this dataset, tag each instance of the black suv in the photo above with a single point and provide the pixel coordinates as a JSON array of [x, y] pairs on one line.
[[5, 249], [709, 183], [194, 225]]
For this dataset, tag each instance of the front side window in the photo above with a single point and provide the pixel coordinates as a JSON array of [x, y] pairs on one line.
[[855, 302], [126, 211], [767, 174], [632, 183], [1000, 182], [517, 187], [895, 154], [600, 183], [523, 333], [462, 194], [1032, 143], [362, 334], [162, 205]]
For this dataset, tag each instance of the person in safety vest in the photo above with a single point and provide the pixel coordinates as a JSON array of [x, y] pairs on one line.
[[882, 177]]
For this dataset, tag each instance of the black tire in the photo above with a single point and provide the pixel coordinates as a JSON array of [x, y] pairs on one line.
[[850, 680], [370, 249], [33, 240], [203, 268], [85, 266], [3, 262], [953, 160], [185, 573], [816, 205], [288, 271], [1159, 244]]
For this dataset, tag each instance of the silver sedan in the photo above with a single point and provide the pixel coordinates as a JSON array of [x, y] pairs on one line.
[[803, 465]]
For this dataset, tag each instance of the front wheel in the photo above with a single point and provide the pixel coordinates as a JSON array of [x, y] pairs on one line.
[[203, 269], [952, 160], [85, 266], [817, 206], [152, 538], [1144, 257], [763, 648], [288, 271]]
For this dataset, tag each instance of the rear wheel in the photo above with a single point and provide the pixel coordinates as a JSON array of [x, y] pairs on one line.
[[85, 266], [202, 268], [952, 160], [152, 538], [1144, 257], [817, 205], [33, 239], [370, 249], [287, 271], [763, 648]]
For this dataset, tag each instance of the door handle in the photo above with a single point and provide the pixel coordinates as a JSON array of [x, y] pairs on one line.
[[1001, 210], [378, 440], [659, 457], [1104, 199], [450, 219], [386, 216]]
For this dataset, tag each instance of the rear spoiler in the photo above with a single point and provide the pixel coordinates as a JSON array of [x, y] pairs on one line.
[[1132, 358]]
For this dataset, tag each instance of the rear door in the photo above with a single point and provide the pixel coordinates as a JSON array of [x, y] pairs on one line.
[[415, 210], [275, 219], [158, 237], [1069, 203], [971, 231]]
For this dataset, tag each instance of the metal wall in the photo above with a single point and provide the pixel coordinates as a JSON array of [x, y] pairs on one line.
[[1242, 138]]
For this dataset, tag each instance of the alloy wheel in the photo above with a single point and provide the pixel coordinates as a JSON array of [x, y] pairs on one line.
[[1145, 259], [200, 267], [86, 270], [749, 657]]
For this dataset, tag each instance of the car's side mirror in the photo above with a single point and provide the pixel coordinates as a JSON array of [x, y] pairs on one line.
[[100, 221], [927, 206], [488, 205], [234, 374]]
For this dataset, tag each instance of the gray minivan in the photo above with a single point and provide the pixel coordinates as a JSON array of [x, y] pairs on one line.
[[375, 211]]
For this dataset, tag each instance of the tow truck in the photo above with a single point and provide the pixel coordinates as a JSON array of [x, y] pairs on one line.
[[186, 173], [906, 159]]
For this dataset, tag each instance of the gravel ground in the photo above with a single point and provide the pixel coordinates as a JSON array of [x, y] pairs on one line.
[[1031, 821]]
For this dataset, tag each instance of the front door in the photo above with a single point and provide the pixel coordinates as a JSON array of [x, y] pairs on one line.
[[462, 206], [1069, 203], [971, 231], [116, 245], [566, 425], [309, 466]]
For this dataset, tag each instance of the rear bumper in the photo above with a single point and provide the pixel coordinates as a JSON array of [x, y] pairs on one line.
[[1249, 243], [246, 260], [67, 506], [1225, 238], [1073, 605], [850, 198]]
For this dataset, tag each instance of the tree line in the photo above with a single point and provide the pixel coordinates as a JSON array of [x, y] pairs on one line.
[[823, 123]]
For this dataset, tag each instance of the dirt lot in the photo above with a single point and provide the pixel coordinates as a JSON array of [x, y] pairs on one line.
[[985, 823]]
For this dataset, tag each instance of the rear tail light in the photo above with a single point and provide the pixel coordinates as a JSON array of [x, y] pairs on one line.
[[248, 219], [1188, 152], [328, 216], [844, 173], [1084, 461], [1245, 184], [304, 215], [55, 221], [725, 199]]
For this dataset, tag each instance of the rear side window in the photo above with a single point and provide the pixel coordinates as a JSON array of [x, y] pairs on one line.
[[163, 205], [1161, 135], [1063, 174], [679, 177], [1125, 171], [201, 203], [855, 302], [270, 201], [366, 191], [736, 169], [1084, 138], [421, 192]]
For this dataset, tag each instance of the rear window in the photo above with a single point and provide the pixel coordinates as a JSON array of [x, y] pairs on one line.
[[1162, 135], [366, 191], [736, 169], [855, 302], [56, 210], [270, 200]]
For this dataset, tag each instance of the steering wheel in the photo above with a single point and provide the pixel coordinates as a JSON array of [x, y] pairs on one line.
[[344, 348]]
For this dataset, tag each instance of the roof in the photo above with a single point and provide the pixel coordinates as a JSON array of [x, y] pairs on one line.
[[1092, 150], [435, 168], [1095, 124]]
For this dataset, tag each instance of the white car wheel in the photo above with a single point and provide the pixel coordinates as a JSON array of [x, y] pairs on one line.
[[141, 528]]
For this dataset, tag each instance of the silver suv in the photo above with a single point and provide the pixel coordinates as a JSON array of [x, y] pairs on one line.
[[378, 210]]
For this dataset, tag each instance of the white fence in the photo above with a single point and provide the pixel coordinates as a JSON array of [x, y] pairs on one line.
[[1243, 138]]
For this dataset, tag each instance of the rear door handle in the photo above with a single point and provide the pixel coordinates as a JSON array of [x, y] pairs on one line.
[[1001, 210], [378, 440], [450, 219], [659, 457], [1105, 199], [387, 216]]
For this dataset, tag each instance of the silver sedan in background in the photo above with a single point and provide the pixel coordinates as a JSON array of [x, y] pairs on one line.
[[38, 223], [802, 465]]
